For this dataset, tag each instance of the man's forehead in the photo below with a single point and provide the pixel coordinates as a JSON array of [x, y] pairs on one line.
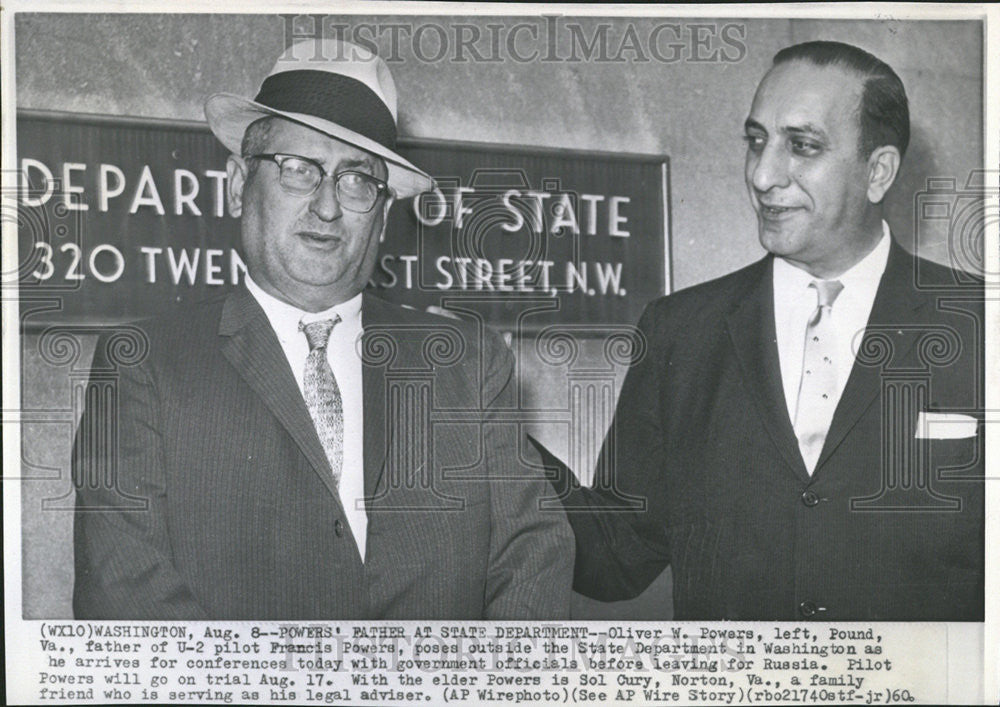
[[800, 91], [289, 136]]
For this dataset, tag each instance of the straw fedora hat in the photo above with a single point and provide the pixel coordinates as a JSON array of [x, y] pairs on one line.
[[335, 87]]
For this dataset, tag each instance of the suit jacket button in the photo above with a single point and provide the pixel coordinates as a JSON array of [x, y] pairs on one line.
[[809, 498], [338, 528], [808, 609]]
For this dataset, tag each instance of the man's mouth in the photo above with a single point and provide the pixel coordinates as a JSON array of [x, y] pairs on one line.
[[775, 210], [319, 239]]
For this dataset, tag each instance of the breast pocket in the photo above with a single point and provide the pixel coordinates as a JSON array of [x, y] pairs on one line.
[[953, 456]]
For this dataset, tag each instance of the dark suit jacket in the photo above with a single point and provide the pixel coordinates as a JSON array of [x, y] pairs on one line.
[[206, 493], [888, 527]]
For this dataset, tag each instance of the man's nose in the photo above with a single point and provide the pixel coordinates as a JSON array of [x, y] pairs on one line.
[[770, 168], [325, 204]]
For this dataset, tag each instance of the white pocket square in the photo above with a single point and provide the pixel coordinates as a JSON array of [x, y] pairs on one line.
[[945, 425]]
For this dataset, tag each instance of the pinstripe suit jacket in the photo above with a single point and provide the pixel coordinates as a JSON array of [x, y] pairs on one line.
[[207, 494], [704, 472]]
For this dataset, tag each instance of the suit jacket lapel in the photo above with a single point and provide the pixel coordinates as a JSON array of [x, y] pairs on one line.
[[252, 347], [377, 433], [751, 328], [895, 305]]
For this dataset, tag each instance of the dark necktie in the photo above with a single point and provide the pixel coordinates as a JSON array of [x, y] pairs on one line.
[[818, 386], [322, 394]]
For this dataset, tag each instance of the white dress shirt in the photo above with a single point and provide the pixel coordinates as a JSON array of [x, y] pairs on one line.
[[342, 353], [795, 302]]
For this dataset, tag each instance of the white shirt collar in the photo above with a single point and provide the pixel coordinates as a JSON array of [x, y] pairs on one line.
[[862, 277], [285, 317], [866, 273]]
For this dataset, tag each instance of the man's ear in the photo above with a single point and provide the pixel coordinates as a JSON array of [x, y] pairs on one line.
[[883, 166], [385, 215], [236, 176]]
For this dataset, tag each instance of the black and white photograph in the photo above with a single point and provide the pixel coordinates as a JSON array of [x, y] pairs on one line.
[[410, 353]]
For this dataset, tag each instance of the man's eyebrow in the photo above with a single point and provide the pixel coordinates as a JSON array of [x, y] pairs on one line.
[[358, 162], [352, 163], [805, 129]]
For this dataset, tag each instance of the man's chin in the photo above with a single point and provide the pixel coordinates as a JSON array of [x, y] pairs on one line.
[[777, 241]]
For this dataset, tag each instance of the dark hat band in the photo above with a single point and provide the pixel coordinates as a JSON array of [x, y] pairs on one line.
[[334, 97]]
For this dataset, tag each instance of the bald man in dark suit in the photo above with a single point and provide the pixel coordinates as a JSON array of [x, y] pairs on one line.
[[802, 439]]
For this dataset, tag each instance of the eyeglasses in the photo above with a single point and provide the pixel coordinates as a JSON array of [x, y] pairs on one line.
[[301, 176]]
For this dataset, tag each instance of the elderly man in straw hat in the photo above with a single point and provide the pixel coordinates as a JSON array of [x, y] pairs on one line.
[[283, 441]]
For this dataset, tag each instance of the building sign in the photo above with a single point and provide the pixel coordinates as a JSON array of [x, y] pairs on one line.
[[123, 219]]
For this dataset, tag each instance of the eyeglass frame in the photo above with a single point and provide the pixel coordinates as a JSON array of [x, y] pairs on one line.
[[380, 185]]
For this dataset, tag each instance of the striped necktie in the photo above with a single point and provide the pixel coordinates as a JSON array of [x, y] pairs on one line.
[[322, 394]]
